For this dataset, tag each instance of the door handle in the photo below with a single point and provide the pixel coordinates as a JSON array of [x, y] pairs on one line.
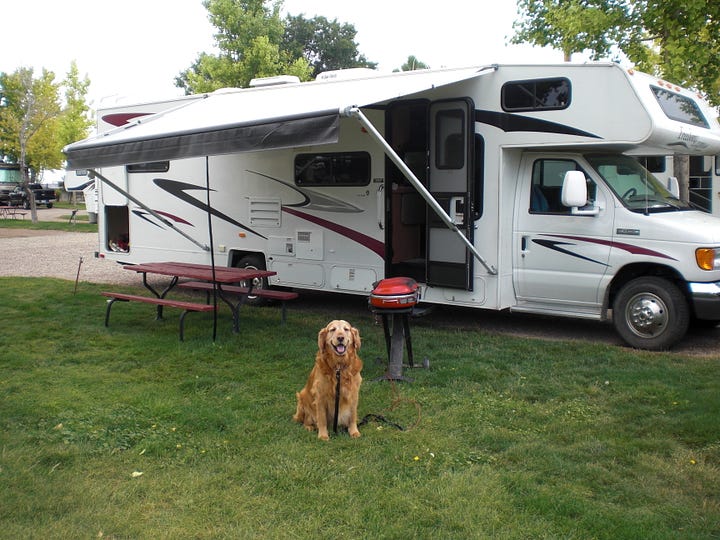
[[381, 206]]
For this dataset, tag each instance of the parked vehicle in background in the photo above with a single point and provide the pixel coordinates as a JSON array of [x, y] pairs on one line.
[[13, 194], [10, 197]]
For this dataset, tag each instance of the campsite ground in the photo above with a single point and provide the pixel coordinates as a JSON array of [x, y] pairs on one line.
[[50, 253]]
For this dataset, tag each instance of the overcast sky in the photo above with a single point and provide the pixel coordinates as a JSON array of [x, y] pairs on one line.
[[132, 50]]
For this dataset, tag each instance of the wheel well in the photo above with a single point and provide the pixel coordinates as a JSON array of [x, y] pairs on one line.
[[236, 256], [632, 271]]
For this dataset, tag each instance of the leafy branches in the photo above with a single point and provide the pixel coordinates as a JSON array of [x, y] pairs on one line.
[[253, 41]]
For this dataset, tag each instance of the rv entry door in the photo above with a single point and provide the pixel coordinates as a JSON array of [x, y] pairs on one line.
[[449, 263]]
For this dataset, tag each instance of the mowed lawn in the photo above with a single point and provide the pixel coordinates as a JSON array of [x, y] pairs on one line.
[[125, 432]]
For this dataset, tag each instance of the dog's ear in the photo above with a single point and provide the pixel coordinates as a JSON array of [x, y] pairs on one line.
[[356, 337], [321, 338]]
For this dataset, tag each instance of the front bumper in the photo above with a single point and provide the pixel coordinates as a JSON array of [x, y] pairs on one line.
[[706, 300]]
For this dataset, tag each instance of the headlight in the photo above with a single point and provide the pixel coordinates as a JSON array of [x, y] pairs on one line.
[[708, 258]]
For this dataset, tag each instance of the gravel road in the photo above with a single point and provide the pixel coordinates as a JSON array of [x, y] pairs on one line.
[[33, 253], [58, 254]]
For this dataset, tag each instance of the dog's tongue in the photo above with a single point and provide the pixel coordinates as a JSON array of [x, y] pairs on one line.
[[340, 348]]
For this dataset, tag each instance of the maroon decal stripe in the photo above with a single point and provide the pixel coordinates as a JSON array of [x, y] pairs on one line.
[[120, 119], [374, 245], [630, 248]]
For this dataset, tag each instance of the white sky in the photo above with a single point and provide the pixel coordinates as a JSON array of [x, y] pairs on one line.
[[132, 50]]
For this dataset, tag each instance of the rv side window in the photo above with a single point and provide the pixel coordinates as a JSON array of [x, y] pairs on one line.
[[335, 169], [150, 167], [679, 108], [536, 94], [546, 188], [450, 137]]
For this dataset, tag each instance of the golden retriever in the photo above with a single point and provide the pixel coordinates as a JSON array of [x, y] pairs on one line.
[[338, 344]]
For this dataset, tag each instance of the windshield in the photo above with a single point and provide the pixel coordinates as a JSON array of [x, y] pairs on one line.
[[634, 185]]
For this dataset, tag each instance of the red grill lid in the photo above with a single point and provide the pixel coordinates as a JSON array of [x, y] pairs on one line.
[[395, 292]]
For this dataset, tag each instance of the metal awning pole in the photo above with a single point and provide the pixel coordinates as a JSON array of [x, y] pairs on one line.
[[355, 112], [105, 180]]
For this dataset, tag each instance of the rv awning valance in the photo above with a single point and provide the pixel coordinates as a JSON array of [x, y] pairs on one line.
[[253, 119]]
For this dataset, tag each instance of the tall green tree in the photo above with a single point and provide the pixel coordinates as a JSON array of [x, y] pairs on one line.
[[34, 124], [28, 121], [76, 118], [325, 44], [248, 37]]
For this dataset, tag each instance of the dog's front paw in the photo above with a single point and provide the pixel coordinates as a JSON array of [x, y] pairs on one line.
[[354, 434], [323, 436]]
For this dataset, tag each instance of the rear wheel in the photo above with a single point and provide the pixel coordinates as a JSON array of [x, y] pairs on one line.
[[651, 313], [256, 263]]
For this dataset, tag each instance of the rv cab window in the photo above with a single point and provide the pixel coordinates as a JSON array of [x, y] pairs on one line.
[[547, 182]]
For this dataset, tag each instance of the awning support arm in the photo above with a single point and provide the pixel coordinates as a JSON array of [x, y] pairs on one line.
[[94, 174], [355, 112]]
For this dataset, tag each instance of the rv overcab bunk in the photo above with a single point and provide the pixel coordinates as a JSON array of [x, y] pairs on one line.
[[507, 187]]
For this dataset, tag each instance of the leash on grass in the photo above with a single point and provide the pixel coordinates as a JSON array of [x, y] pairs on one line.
[[396, 402], [337, 399]]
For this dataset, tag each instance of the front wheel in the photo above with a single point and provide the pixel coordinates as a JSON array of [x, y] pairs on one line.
[[651, 313], [256, 263]]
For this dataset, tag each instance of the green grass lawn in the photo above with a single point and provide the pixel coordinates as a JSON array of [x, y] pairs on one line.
[[125, 432]]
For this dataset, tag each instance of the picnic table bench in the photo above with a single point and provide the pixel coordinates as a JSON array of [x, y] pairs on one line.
[[270, 294], [165, 302], [7, 212], [219, 276]]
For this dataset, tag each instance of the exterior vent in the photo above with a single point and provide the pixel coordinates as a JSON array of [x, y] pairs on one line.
[[265, 212], [274, 81]]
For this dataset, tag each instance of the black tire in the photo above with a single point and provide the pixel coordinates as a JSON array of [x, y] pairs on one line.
[[26, 204], [651, 313], [256, 262], [49, 205]]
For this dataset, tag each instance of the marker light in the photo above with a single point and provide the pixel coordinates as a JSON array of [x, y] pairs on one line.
[[708, 258]]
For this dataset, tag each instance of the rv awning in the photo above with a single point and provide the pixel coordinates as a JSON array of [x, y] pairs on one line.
[[251, 119]]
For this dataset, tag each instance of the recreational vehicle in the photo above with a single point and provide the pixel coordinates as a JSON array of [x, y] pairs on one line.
[[504, 187]]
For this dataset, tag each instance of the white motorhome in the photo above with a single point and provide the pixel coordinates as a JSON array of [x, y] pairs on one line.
[[499, 187]]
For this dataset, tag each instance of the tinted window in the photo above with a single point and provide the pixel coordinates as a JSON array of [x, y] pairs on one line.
[[450, 137], [336, 169], [536, 94], [679, 108], [150, 167]]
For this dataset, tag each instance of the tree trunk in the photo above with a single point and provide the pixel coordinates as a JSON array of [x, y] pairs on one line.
[[681, 171]]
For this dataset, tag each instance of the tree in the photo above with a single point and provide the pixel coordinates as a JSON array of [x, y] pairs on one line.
[[27, 120], [249, 34], [76, 119], [572, 25], [33, 125], [326, 45], [411, 64]]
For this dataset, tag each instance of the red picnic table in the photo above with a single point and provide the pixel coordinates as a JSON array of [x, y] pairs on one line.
[[219, 275]]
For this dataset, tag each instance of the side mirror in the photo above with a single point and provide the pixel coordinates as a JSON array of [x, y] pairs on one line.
[[574, 189], [673, 186], [574, 194]]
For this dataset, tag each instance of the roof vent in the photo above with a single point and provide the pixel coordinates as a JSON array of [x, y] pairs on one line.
[[346, 74], [274, 81]]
